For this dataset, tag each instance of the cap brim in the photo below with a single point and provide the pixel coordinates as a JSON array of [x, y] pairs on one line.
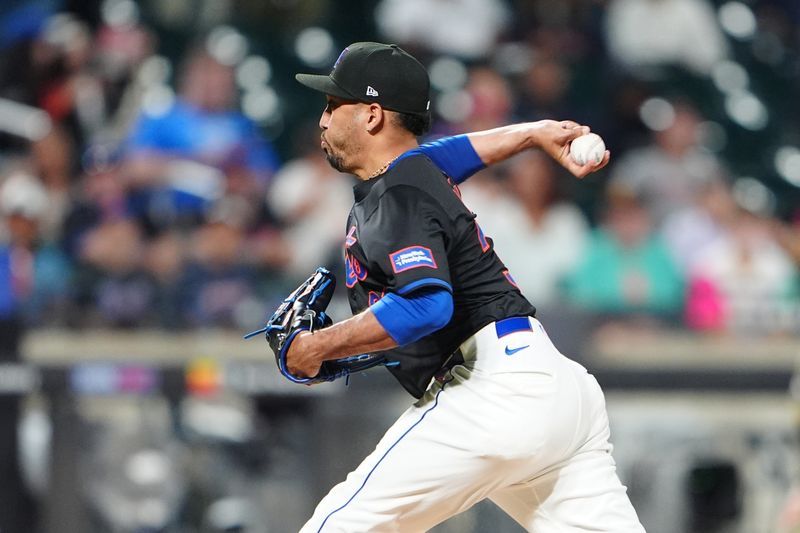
[[323, 84]]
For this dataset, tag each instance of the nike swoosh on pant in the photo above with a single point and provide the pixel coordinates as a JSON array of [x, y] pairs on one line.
[[512, 351]]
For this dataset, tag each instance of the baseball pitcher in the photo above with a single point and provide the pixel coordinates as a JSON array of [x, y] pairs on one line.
[[499, 412]]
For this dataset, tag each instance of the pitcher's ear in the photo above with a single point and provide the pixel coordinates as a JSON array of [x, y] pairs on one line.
[[375, 117]]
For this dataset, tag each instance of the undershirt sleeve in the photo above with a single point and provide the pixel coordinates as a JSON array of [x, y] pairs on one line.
[[455, 156], [409, 318]]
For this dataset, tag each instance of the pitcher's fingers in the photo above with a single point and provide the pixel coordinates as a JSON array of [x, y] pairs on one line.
[[574, 133], [581, 171], [574, 128], [603, 162]]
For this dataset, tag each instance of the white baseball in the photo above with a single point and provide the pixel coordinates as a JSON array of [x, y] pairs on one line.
[[587, 148]]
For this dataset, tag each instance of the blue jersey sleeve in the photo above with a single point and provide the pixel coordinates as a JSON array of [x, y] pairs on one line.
[[409, 318], [455, 156]]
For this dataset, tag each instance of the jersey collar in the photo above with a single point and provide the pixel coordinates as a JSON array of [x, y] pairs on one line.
[[362, 188]]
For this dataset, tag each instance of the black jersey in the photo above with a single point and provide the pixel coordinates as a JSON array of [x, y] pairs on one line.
[[409, 230]]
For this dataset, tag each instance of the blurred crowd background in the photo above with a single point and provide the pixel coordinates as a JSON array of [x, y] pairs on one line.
[[160, 167]]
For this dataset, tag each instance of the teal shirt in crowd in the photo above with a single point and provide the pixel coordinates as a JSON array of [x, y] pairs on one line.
[[608, 271]]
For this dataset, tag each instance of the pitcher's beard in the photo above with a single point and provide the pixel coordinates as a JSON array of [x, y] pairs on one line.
[[335, 161], [336, 155]]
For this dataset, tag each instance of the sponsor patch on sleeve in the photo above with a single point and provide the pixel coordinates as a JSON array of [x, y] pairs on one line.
[[412, 257]]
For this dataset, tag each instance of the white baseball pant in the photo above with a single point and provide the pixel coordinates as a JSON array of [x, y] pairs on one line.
[[517, 423]]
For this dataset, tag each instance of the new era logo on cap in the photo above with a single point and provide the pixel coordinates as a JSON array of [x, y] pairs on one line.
[[371, 91]]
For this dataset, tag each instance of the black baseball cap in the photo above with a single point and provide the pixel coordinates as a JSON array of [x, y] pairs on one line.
[[376, 72]]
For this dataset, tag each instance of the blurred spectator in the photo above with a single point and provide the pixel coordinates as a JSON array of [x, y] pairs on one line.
[[182, 159], [565, 74], [100, 197], [52, 159], [490, 100], [646, 35], [216, 282], [626, 130], [122, 46], [36, 273], [108, 248], [116, 290], [164, 262], [50, 68], [690, 231], [744, 282], [626, 268], [668, 173], [544, 90], [312, 201], [471, 30], [539, 236]]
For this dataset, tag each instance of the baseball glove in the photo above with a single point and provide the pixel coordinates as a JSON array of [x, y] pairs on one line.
[[304, 310]]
